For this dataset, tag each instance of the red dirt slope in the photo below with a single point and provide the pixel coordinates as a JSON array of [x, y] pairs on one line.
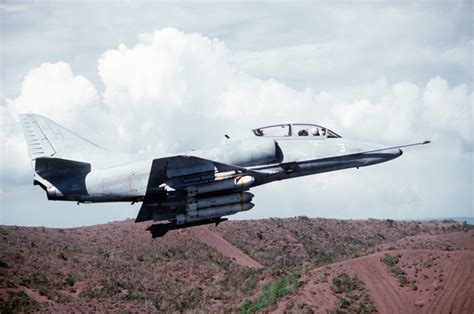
[[216, 241], [418, 281], [238, 266]]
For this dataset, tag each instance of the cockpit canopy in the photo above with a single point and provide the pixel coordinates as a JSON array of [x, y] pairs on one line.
[[295, 130]]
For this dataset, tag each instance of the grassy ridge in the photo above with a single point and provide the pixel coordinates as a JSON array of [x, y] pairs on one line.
[[271, 293]]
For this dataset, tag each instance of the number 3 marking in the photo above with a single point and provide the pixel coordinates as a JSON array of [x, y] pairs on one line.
[[342, 148]]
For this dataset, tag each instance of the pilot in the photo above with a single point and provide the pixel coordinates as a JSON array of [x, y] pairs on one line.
[[323, 132], [315, 131], [258, 132], [303, 133]]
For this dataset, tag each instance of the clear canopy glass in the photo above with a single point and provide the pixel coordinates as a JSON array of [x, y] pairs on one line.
[[295, 130]]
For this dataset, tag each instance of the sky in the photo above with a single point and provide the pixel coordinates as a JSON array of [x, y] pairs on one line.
[[162, 77]]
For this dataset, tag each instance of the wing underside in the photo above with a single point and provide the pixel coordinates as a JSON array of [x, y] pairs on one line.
[[188, 191]]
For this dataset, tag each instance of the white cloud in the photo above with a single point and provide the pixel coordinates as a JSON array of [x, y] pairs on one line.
[[167, 67], [175, 91], [53, 90], [450, 110], [8, 7]]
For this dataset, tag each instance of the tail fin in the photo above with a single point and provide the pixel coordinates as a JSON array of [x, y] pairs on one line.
[[46, 138]]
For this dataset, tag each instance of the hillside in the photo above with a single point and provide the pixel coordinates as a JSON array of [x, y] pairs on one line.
[[296, 264]]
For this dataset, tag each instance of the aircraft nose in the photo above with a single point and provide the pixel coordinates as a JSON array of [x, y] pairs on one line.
[[395, 153]]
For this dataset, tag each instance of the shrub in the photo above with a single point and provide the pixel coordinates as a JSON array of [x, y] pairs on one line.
[[400, 275], [3, 264], [388, 259], [224, 264], [69, 281], [344, 283], [17, 302], [403, 280], [90, 294], [44, 292], [343, 303], [62, 256], [271, 294]]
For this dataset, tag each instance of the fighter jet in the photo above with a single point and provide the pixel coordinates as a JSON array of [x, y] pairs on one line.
[[192, 188]]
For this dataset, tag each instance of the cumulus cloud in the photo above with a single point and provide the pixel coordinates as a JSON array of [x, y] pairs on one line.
[[52, 90], [450, 110], [174, 91]]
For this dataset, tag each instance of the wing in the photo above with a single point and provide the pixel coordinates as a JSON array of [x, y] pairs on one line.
[[189, 190]]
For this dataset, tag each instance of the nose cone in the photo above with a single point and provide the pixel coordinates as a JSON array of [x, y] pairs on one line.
[[380, 156], [245, 180], [392, 153]]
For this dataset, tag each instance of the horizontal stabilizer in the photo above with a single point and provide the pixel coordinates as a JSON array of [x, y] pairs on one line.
[[45, 165], [60, 177]]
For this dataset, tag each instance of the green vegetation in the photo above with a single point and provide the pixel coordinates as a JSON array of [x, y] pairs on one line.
[[344, 283], [402, 279], [62, 256], [190, 299], [44, 292], [69, 281], [466, 227], [343, 303], [351, 295], [223, 264], [17, 302], [110, 287], [401, 276], [90, 294], [389, 260], [271, 294], [35, 280], [3, 264], [398, 272]]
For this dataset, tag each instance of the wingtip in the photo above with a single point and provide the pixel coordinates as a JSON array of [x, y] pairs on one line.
[[426, 142]]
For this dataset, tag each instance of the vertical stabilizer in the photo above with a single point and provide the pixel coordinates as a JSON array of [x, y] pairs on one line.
[[46, 138]]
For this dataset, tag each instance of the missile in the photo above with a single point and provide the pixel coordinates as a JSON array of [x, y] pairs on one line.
[[241, 183], [197, 203], [213, 212], [200, 203], [168, 210]]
